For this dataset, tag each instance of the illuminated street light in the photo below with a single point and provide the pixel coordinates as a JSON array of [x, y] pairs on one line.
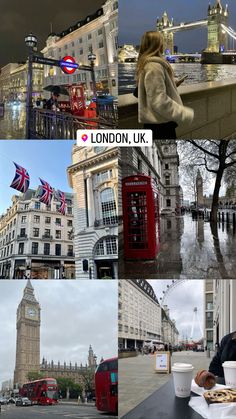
[[31, 42]]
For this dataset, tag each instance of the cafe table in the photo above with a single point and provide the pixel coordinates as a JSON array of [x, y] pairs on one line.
[[163, 404]]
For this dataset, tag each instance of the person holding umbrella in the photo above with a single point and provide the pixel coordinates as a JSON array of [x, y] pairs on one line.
[[52, 103]]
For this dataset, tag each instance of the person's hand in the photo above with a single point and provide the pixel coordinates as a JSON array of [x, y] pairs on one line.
[[181, 80]]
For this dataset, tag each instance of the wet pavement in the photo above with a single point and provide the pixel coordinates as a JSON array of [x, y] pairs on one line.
[[189, 250], [12, 126]]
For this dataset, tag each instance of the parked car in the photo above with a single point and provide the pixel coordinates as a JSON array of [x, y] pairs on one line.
[[23, 401], [11, 400], [3, 400]]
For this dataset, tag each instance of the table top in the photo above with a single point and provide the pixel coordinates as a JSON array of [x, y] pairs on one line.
[[163, 404]]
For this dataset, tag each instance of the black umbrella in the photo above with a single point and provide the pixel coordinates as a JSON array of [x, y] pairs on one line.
[[57, 90]]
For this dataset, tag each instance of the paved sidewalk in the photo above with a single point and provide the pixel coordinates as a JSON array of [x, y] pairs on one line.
[[138, 380]]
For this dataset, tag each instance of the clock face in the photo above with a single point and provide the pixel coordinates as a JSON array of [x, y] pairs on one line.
[[31, 312]]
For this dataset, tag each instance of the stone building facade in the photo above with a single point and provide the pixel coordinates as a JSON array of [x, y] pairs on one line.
[[13, 82], [161, 162], [93, 176], [141, 317], [209, 313], [97, 33], [139, 314], [36, 240], [224, 320]]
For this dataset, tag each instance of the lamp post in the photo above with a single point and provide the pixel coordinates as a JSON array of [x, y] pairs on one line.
[[92, 59], [31, 42]]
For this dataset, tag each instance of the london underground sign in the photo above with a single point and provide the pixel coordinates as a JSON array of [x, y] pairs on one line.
[[68, 65]]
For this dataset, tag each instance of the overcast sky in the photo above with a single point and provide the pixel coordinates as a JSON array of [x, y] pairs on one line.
[[19, 18], [74, 314], [144, 15], [181, 301]]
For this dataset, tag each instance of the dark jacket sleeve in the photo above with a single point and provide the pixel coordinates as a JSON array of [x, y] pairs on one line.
[[216, 365]]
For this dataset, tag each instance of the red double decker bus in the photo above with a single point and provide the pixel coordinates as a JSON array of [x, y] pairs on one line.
[[106, 386], [44, 391]]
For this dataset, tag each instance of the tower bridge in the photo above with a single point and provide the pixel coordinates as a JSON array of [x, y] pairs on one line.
[[218, 33]]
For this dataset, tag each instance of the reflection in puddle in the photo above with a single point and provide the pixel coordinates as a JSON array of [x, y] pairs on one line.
[[190, 249], [12, 126]]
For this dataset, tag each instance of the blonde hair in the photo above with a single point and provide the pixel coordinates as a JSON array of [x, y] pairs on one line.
[[151, 46]]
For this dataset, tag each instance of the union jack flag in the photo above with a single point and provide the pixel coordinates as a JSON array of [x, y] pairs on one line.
[[46, 191], [61, 197], [21, 180]]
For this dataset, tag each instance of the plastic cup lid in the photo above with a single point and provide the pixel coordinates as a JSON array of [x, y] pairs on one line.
[[178, 366], [229, 364]]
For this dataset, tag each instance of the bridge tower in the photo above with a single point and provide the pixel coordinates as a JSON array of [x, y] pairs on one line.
[[217, 38], [164, 23]]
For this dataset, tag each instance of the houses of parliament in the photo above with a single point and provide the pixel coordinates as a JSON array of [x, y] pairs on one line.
[[28, 347]]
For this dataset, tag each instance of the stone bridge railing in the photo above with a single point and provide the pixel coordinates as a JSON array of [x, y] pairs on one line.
[[214, 104]]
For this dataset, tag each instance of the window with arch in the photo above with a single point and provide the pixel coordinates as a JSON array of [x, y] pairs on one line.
[[107, 246], [108, 206]]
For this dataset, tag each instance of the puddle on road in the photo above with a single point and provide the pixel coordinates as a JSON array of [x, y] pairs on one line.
[[189, 250]]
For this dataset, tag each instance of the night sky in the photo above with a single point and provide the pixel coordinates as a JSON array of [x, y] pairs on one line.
[[136, 17], [19, 17]]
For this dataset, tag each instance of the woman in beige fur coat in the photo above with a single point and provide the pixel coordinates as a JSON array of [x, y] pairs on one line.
[[160, 106]]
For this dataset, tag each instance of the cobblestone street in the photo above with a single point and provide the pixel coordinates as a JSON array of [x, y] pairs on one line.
[[138, 380]]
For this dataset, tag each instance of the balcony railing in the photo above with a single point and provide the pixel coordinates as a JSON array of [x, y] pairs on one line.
[[106, 222], [22, 237], [47, 237]]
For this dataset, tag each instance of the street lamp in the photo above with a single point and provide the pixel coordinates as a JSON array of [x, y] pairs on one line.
[[92, 59], [31, 42]]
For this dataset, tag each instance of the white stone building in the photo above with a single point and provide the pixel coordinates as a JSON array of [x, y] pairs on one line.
[[170, 333], [36, 240], [161, 162], [139, 314], [13, 82], [93, 176], [224, 308], [97, 33], [209, 313]]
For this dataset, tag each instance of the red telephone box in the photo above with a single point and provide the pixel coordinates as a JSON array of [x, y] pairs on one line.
[[141, 217]]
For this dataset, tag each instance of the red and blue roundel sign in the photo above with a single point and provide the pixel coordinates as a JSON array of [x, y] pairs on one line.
[[68, 65]]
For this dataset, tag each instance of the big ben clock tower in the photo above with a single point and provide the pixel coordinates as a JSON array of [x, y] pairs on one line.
[[28, 336], [199, 189]]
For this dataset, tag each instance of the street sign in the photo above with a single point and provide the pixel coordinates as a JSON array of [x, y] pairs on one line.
[[46, 61], [68, 65]]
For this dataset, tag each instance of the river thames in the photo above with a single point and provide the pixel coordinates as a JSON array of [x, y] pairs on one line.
[[197, 73]]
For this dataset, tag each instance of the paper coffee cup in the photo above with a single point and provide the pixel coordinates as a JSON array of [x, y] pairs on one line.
[[230, 373], [182, 374]]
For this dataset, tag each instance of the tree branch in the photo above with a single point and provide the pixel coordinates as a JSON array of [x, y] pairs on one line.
[[205, 151]]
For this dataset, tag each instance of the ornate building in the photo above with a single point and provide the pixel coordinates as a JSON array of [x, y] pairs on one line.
[[217, 37], [75, 372], [94, 179], [13, 81], [36, 240], [28, 336], [28, 347], [97, 33], [164, 23]]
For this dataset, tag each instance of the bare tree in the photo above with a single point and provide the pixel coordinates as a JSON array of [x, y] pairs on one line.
[[217, 157]]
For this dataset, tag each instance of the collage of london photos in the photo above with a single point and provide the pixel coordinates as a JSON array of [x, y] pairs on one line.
[[118, 261]]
